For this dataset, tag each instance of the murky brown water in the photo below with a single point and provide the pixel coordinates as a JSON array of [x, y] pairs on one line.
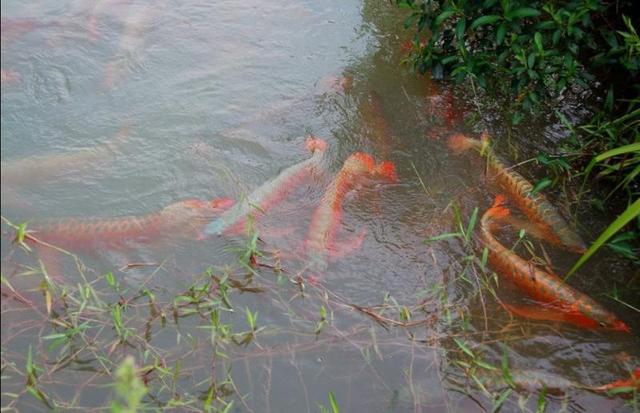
[[214, 100]]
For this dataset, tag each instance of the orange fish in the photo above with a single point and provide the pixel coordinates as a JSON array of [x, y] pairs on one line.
[[184, 218], [577, 308], [534, 205], [326, 219]]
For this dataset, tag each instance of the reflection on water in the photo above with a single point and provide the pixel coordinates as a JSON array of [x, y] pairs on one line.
[[122, 108]]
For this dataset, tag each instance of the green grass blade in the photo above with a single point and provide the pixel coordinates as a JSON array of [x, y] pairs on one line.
[[633, 147], [630, 213]]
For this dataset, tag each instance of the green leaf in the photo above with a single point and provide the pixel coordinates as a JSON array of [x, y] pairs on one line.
[[501, 399], [442, 236], [623, 219], [443, 16], [500, 33], [633, 147], [537, 38], [481, 21], [411, 19], [334, 404], [463, 346], [472, 224], [460, 27], [522, 12]]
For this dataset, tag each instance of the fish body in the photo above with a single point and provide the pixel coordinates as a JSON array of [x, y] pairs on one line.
[[326, 218], [534, 205], [533, 380], [577, 308], [269, 193], [184, 218], [14, 28], [8, 77], [40, 168]]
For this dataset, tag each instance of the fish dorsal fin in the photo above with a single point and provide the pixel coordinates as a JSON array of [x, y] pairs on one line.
[[498, 210]]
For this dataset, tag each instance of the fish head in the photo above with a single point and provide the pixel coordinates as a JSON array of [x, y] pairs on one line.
[[387, 170], [221, 204], [346, 83], [603, 318], [619, 325], [459, 143], [360, 163], [314, 144]]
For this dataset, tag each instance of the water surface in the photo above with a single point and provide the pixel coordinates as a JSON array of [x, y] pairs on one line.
[[217, 98]]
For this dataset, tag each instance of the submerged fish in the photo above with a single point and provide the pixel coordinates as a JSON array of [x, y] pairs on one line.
[[39, 168], [532, 380], [137, 20], [14, 28], [184, 218], [320, 241], [534, 205], [8, 77], [269, 193], [576, 308]]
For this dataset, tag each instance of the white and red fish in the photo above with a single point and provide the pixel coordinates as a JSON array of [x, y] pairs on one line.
[[183, 219], [533, 380], [137, 20], [270, 193], [561, 301], [326, 219], [534, 205], [8, 77], [14, 28], [34, 169]]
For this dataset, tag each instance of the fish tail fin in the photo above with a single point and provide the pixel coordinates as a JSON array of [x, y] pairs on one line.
[[631, 382], [387, 169], [313, 144], [459, 143]]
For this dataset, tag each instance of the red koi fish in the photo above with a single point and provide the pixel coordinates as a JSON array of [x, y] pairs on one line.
[[326, 219], [184, 219], [270, 193], [534, 205], [576, 307]]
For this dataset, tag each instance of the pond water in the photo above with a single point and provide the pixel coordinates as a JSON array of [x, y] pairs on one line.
[[120, 108]]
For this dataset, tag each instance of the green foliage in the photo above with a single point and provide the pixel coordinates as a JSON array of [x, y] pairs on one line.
[[529, 52], [333, 403], [129, 388], [539, 47], [632, 212]]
